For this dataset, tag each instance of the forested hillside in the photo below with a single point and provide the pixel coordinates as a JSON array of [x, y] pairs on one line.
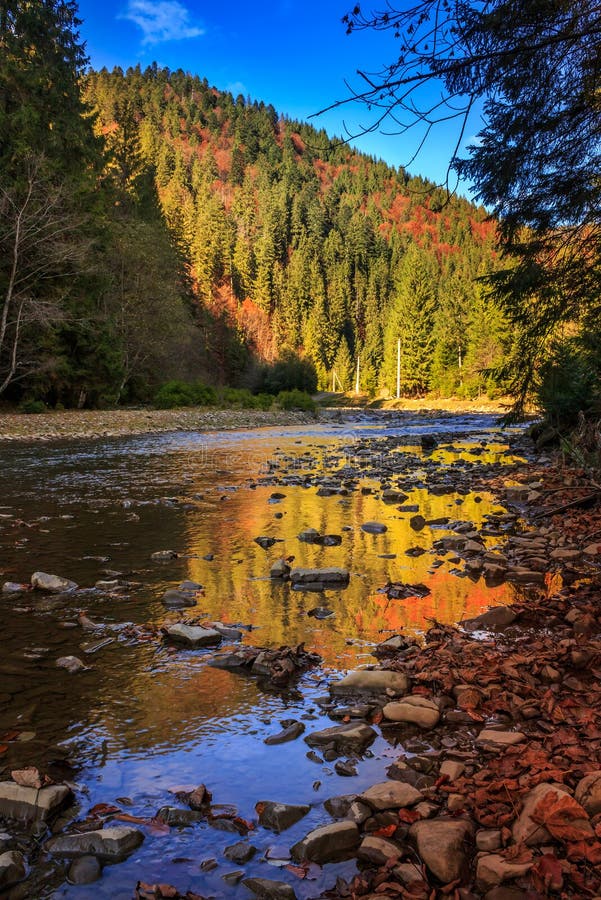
[[297, 243], [153, 227]]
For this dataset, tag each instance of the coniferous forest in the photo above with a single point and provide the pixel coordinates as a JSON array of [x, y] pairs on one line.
[[154, 228]]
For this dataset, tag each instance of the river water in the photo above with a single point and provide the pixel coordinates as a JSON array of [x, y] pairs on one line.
[[145, 717]]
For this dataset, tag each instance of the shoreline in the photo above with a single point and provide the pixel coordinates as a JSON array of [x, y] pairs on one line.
[[94, 424]]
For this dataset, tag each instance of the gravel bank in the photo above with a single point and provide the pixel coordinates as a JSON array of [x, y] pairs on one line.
[[116, 423]]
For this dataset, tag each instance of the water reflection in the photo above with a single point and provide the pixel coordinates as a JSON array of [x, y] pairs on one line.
[[144, 717]]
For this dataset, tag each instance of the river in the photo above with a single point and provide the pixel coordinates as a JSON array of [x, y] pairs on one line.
[[144, 716]]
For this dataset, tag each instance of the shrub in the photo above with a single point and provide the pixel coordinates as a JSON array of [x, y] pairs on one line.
[[177, 393], [238, 397], [32, 407], [296, 400]]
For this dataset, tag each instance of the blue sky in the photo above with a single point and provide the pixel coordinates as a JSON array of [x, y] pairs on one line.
[[295, 55]]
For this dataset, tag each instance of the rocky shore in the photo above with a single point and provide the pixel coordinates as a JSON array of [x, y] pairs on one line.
[[69, 424], [496, 789]]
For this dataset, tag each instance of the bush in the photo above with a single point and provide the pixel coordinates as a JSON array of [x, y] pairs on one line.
[[32, 407], [238, 397], [177, 393], [296, 400]]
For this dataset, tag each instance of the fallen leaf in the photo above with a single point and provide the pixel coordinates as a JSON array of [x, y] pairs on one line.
[[563, 817], [28, 777]]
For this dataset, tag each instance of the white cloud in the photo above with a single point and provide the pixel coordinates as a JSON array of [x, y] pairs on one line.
[[165, 20], [237, 87]]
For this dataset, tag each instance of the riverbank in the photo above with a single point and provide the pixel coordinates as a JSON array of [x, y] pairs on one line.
[[91, 423]]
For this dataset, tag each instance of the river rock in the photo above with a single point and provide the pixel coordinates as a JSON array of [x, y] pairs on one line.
[[496, 618], [280, 569], [378, 851], [71, 663], [52, 584], [327, 843], [588, 793], [227, 631], [240, 852], [110, 844], [389, 495], [177, 599], [290, 733], [15, 587], [444, 845], [192, 635], [418, 710], [355, 736], [338, 807], [280, 816], [265, 542], [85, 870], [330, 576], [372, 681], [178, 817], [525, 828], [266, 889], [18, 802], [489, 739], [374, 527], [12, 868], [309, 536], [390, 795], [493, 869], [164, 555]]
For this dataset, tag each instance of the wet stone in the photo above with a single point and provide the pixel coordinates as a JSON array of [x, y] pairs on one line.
[[327, 843], [240, 853], [266, 889], [173, 815], [84, 870], [17, 802], [280, 816], [52, 584], [12, 868], [374, 528], [71, 663], [330, 576], [193, 635], [343, 738], [162, 556], [290, 733], [109, 844], [178, 599]]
